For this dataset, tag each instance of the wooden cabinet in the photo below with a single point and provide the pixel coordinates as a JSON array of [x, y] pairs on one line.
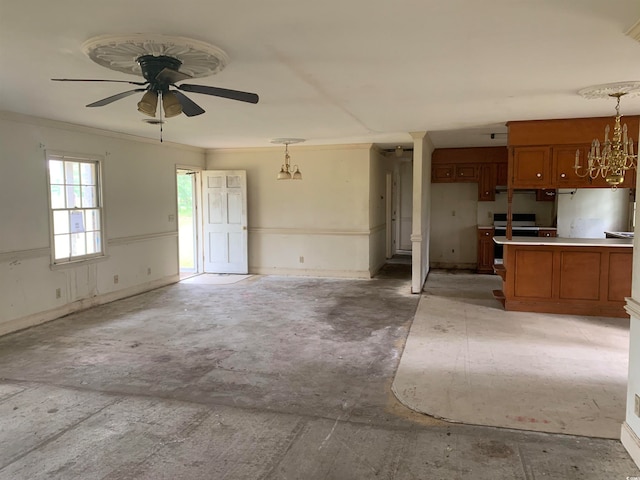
[[465, 172], [443, 173], [485, 250], [566, 279], [564, 157], [502, 174], [487, 182], [530, 167], [546, 195], [547, 232], [470, 165]]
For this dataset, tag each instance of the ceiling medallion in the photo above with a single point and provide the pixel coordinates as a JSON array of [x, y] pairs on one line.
[[631, 89], [121, 52]]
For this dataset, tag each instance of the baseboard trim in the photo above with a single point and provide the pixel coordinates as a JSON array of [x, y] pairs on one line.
[[310, 273], [631, 442], [42, 317]]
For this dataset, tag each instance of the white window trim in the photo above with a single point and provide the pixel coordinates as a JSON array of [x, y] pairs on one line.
[[78, 157]]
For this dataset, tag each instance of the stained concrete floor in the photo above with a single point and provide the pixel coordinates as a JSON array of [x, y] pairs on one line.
[[267, 378]]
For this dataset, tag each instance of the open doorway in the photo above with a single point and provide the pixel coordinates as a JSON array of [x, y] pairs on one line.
[[187, 222]]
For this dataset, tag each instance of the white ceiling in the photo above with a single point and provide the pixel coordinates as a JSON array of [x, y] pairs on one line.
[[333, 71]]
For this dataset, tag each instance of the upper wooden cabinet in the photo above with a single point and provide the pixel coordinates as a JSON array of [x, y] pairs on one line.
[[564, 157], [480, 165], [530, 167], [543, 152]]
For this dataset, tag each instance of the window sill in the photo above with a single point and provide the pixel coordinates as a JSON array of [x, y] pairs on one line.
[[78, 263]]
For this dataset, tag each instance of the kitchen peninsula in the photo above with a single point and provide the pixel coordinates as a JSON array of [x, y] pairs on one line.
[[578, 276]]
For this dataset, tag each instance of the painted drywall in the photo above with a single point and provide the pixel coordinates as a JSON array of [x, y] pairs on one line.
[[320, 225], [524, 201], [139, 192], [453, 225], [589, 212], [421, 223]]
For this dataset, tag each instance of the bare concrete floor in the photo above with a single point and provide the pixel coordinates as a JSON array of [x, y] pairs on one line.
[[267, 378]]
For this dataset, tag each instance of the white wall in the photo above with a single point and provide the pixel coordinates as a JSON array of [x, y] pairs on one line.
[[139, 191], [325, 218], [453, 225], [591, 211], [421, 222], [523, 202]]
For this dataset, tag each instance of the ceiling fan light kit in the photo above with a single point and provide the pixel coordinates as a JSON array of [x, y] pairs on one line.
[[163, 61]]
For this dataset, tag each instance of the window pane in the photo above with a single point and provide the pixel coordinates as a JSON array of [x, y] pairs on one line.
[[57, 196], [56, 171], [78, 246], [92, 220], [61, 245], [88, 197], [88, 173], [60, 222], [91, 243], [72, 173], [73, 197], [97, 236]]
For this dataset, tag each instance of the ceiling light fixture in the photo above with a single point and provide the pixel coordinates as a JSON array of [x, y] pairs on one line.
[[286, 171], [399, 151], [616, 155], [149, 103]]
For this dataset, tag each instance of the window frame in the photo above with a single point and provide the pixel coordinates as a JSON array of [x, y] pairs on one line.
[[97, 161]]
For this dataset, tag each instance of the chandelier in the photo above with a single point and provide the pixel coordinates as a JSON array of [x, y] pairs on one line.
[[612, 158], [287, 172]]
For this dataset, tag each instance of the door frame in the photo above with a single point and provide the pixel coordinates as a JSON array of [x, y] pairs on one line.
[[197, 219]]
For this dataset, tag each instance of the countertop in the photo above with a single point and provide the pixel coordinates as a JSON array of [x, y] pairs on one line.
[[566, 242]]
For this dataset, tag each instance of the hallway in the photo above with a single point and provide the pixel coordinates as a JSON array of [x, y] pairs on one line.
[[266, 378]]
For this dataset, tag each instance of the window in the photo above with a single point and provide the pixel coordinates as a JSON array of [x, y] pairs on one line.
[[75, 208]]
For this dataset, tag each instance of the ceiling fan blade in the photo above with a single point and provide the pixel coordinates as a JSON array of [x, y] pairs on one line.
[[113, 98], [170, 76], [189, 107], [220, 92], [89, 80]]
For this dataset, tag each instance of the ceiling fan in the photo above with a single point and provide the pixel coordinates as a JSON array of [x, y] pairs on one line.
[[161, 73]]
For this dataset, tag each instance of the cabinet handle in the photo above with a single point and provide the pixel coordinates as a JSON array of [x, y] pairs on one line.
[[539, 175], [563, 175]]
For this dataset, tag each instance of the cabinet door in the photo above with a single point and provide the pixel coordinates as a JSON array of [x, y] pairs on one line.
[[564, 157], [503, 173], [531, 167], [467, 172], [545, 195], [485, 250], [487, 183], [442, 173], [543, 232]]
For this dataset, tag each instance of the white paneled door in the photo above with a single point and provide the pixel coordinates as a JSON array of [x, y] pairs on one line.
[[225, 221]]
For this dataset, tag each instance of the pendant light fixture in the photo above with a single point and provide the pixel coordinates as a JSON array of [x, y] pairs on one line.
[[287, 172]]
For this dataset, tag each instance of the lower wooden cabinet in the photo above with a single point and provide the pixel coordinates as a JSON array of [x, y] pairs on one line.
[[566, 279], [485, 250]]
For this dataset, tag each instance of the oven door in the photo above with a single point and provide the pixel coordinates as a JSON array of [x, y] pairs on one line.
[[515, 232]]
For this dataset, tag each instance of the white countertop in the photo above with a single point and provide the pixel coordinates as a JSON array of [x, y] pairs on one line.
[[566, 242]]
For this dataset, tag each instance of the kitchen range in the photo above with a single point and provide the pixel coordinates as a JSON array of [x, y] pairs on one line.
[[522, 225]]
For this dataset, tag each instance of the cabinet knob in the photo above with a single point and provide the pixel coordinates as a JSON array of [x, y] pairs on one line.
[[563, 175], [547, 234], [461, 174], [487, 233], [486, 193], [539, 175], [448, 174]]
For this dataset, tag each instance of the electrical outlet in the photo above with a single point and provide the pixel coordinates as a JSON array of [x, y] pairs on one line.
[[453, 213], [489, 215], [149, 271], [301, 259], [115, 279], [58, 293], [636, 408]]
